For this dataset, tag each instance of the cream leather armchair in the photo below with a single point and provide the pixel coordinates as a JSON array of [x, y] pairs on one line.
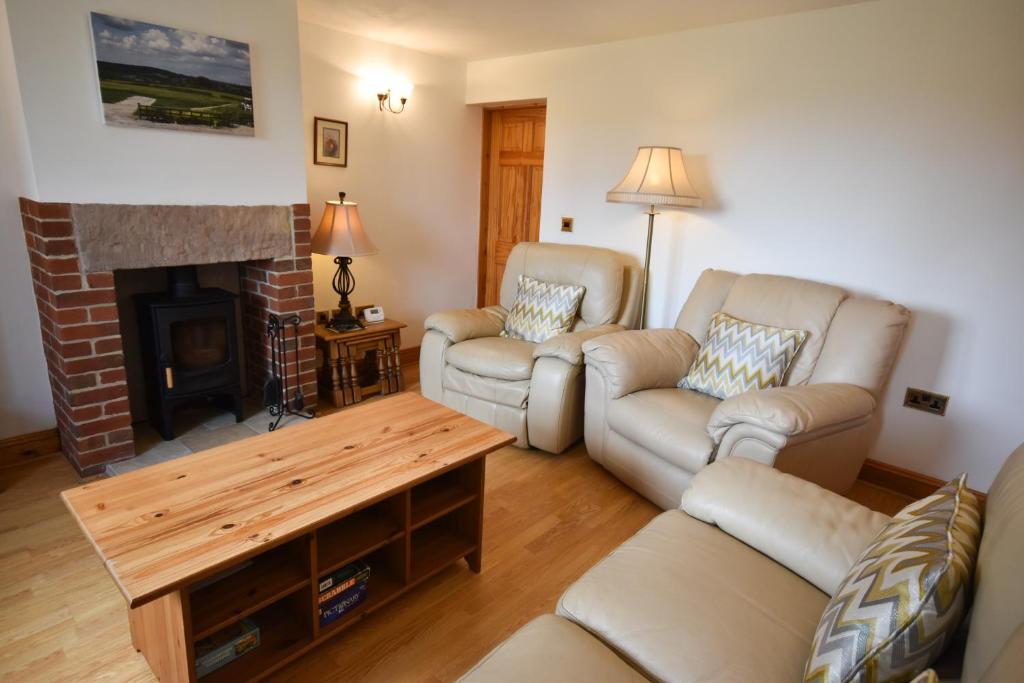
[[534, 391], [655, 437]]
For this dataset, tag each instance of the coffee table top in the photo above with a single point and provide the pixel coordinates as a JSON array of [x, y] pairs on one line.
[[164, 526]]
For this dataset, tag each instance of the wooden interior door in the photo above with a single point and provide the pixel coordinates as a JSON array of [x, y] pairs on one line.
[[513, 171]]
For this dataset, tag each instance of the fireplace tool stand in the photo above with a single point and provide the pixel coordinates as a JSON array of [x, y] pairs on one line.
[[277, 392]]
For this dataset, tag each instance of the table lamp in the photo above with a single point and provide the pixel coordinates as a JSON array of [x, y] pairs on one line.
[[341, 235], [656, 178]]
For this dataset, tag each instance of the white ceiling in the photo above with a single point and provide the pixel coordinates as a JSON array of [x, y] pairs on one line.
[[477, 29]]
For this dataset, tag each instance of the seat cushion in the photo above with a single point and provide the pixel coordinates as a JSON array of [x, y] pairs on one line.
[[684, 601], [512, 393], [497, 357], [550, 649], [672, 423]]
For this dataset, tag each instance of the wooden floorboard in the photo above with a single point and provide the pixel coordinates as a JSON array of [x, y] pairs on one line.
[[548, 519]]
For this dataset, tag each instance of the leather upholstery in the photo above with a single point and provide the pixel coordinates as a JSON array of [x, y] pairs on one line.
[[793, 410], [550, 649], [1009, 661], [642, 359], [809, 530], [534, 391], [670, 421], [817, 425], [683, 601], [497, 357], [999, 594]]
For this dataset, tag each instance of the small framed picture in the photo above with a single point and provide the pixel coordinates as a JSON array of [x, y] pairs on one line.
[[330, 142]]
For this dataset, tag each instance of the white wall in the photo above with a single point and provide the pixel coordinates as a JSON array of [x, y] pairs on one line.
[[79, 159], [878, 146], [28, 406], [416, 175]]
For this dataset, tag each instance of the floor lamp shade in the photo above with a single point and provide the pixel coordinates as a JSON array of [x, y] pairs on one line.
[[656, 178], [341, 231]]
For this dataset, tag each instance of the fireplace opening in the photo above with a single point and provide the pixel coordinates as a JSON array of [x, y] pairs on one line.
[[189, 344]]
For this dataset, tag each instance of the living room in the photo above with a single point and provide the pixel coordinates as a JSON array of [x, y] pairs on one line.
[[583, 254]]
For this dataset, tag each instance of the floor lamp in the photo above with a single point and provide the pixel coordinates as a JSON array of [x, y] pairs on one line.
[[656, 178]]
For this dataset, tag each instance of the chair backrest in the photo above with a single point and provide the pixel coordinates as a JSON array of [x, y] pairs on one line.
[[612, 284], [998, 612], [850, 339]]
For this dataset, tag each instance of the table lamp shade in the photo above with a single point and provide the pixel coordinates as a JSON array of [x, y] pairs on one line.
[[657, 178], [341, 231]]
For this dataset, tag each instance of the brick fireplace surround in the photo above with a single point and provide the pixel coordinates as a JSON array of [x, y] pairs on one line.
[[81, 331]]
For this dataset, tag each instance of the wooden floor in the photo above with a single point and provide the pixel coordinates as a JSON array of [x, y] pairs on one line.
[[548, 519]]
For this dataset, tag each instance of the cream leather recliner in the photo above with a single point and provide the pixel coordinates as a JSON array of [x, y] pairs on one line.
[[818, 426], [534, 391], [731, 588]]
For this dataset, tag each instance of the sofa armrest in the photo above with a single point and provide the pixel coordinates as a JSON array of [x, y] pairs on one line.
[[468, 323], [813, 532], [794, 410], [641, 359], [569, 346]]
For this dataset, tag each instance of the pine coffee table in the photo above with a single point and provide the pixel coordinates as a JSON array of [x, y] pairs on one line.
[[398, 484]]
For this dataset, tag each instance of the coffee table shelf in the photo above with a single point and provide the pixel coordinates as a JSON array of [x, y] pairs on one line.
[[398, 483]]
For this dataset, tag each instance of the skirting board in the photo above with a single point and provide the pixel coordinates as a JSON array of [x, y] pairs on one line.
[[409, 356], [907, 482], [15, 450]]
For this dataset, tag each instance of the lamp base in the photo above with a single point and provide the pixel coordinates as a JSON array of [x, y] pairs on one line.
[[345, 321]]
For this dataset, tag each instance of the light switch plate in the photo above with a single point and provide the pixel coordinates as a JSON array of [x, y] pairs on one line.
[[566, 223], [928, 401]]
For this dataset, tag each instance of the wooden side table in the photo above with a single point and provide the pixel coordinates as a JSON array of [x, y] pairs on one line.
[[354, 365]]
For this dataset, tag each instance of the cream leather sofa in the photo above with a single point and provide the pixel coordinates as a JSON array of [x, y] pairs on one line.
[[730, 589], [534, 391], [655, 437]]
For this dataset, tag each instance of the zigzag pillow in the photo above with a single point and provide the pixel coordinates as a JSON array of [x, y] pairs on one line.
[[904, 598], [542, 310], [738, 357]]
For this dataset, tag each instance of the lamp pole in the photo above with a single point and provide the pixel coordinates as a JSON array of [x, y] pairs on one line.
[[651, 213]]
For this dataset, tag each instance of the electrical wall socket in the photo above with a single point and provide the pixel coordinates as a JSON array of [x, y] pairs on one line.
[[929, 402], [566, 223]]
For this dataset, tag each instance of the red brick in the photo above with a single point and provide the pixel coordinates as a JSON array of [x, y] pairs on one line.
[[293, 305], [52, 210], [85, 443], [282, 279], [84, 381], [112, 376], [104, 425], [116, 407], [121, 435], [89, 297], [103, 313], [101, 280], [68, 316], [57, 247], [25, 205], [97, 395], [91, 331], [303, 249], [300, 224], [278, 292], [108, 362], [54, 228], [304, 290], [64, 283], [302, 237], [56, 265], [73, 349], [91, 462], [107, 345], [87, 413], [300, 210]]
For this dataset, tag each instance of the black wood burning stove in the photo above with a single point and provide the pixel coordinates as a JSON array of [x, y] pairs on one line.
[[189, 348]]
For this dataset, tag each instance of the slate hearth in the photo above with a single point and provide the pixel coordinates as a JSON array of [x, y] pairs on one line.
[[72, 272]]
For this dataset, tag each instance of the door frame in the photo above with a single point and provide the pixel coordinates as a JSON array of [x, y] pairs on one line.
[[485, 184]]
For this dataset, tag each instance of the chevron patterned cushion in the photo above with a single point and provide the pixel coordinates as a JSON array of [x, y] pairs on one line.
[[904, 597], [738, 357], [542, 310]]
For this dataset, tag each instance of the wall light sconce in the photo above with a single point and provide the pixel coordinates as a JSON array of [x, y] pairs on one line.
[[386, 97]]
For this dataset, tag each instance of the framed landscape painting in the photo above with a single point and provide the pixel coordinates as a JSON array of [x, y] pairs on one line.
[[330, 142], [154, 76]]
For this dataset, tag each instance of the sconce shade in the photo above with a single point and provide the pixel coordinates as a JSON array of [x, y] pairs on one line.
[[341, 231], [657, 178]]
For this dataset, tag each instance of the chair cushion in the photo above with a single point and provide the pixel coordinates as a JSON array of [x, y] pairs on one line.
[[738, 356], [498, 357], [684, 601], [512, 393], [551, 649], [671, 423], [791, 303], [902, 601], [542, 310]]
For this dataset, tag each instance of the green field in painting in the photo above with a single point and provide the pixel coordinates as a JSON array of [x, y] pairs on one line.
[[170, 96]]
